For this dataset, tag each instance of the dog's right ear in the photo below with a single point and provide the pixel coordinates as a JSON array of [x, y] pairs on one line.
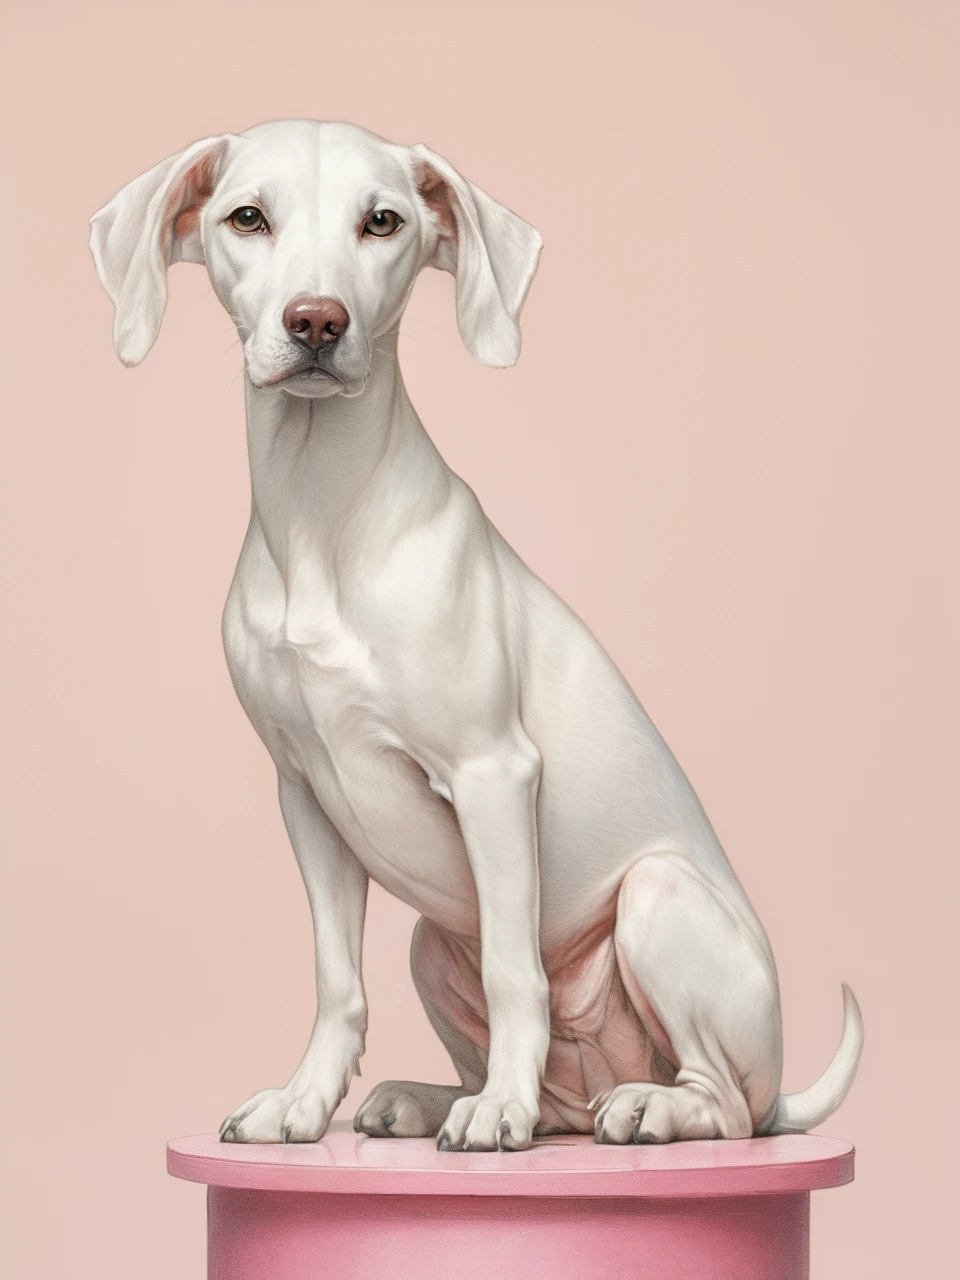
[[152, 222]]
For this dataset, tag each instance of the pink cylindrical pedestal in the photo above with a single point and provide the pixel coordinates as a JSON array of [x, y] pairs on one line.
[[358, 1208]]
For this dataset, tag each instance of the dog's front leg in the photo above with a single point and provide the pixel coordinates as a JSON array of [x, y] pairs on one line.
[[495, 799], [337, 889]]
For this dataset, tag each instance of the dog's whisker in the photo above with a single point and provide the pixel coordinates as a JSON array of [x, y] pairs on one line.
[[223, 354], [414, 319], [405, 333]]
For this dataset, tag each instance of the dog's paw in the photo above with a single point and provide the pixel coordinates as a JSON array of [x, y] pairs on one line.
[[487, 1123], [405, 1109], [279, 1115], [655, 1113]]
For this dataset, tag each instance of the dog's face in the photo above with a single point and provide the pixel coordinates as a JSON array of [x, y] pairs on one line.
[[313, 235]]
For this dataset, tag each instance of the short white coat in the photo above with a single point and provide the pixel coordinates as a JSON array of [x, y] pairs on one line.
[[439, 719]]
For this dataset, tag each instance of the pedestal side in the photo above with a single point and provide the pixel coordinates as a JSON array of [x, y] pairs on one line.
[[283, 1235]]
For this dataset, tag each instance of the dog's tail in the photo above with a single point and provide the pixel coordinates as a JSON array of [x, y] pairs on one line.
[[798, 1112]]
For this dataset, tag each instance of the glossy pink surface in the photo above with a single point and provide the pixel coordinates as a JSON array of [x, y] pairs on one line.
[[349, 1163], [358, 1208]]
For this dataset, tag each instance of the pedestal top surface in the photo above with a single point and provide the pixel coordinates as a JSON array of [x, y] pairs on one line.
[[348, 1163]]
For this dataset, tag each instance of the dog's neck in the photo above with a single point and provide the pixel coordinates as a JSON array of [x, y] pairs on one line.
[[319, 465]]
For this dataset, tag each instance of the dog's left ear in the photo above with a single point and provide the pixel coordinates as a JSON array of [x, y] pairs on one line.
[[492, 252], [152, 222]]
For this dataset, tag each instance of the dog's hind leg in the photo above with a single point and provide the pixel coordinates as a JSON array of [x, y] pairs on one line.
[[449, 985], [699, 971]]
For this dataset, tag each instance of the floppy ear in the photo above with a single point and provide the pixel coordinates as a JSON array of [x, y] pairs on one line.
[[492, 252], [153, 221]]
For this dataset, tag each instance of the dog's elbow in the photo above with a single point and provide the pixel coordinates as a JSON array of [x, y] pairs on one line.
[[516, 766]]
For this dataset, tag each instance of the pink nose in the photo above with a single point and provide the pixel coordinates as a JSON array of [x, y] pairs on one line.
[[315, 321]]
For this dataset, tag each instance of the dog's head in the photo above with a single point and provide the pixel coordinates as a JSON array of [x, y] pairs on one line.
[[313, 235]]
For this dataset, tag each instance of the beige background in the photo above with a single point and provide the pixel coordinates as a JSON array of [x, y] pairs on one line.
[[730, 444]]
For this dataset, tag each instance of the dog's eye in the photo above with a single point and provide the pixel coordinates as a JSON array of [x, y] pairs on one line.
[[382, 222], [249, 218]]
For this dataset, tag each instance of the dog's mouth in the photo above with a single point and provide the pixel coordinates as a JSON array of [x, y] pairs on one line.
[[302, 373], [309, 375], [319, 377]]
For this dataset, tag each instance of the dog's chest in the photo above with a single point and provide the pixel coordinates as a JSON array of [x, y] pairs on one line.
[[306, 678], [318, 696]]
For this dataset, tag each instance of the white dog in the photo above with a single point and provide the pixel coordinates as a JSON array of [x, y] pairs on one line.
[[439, 719]]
